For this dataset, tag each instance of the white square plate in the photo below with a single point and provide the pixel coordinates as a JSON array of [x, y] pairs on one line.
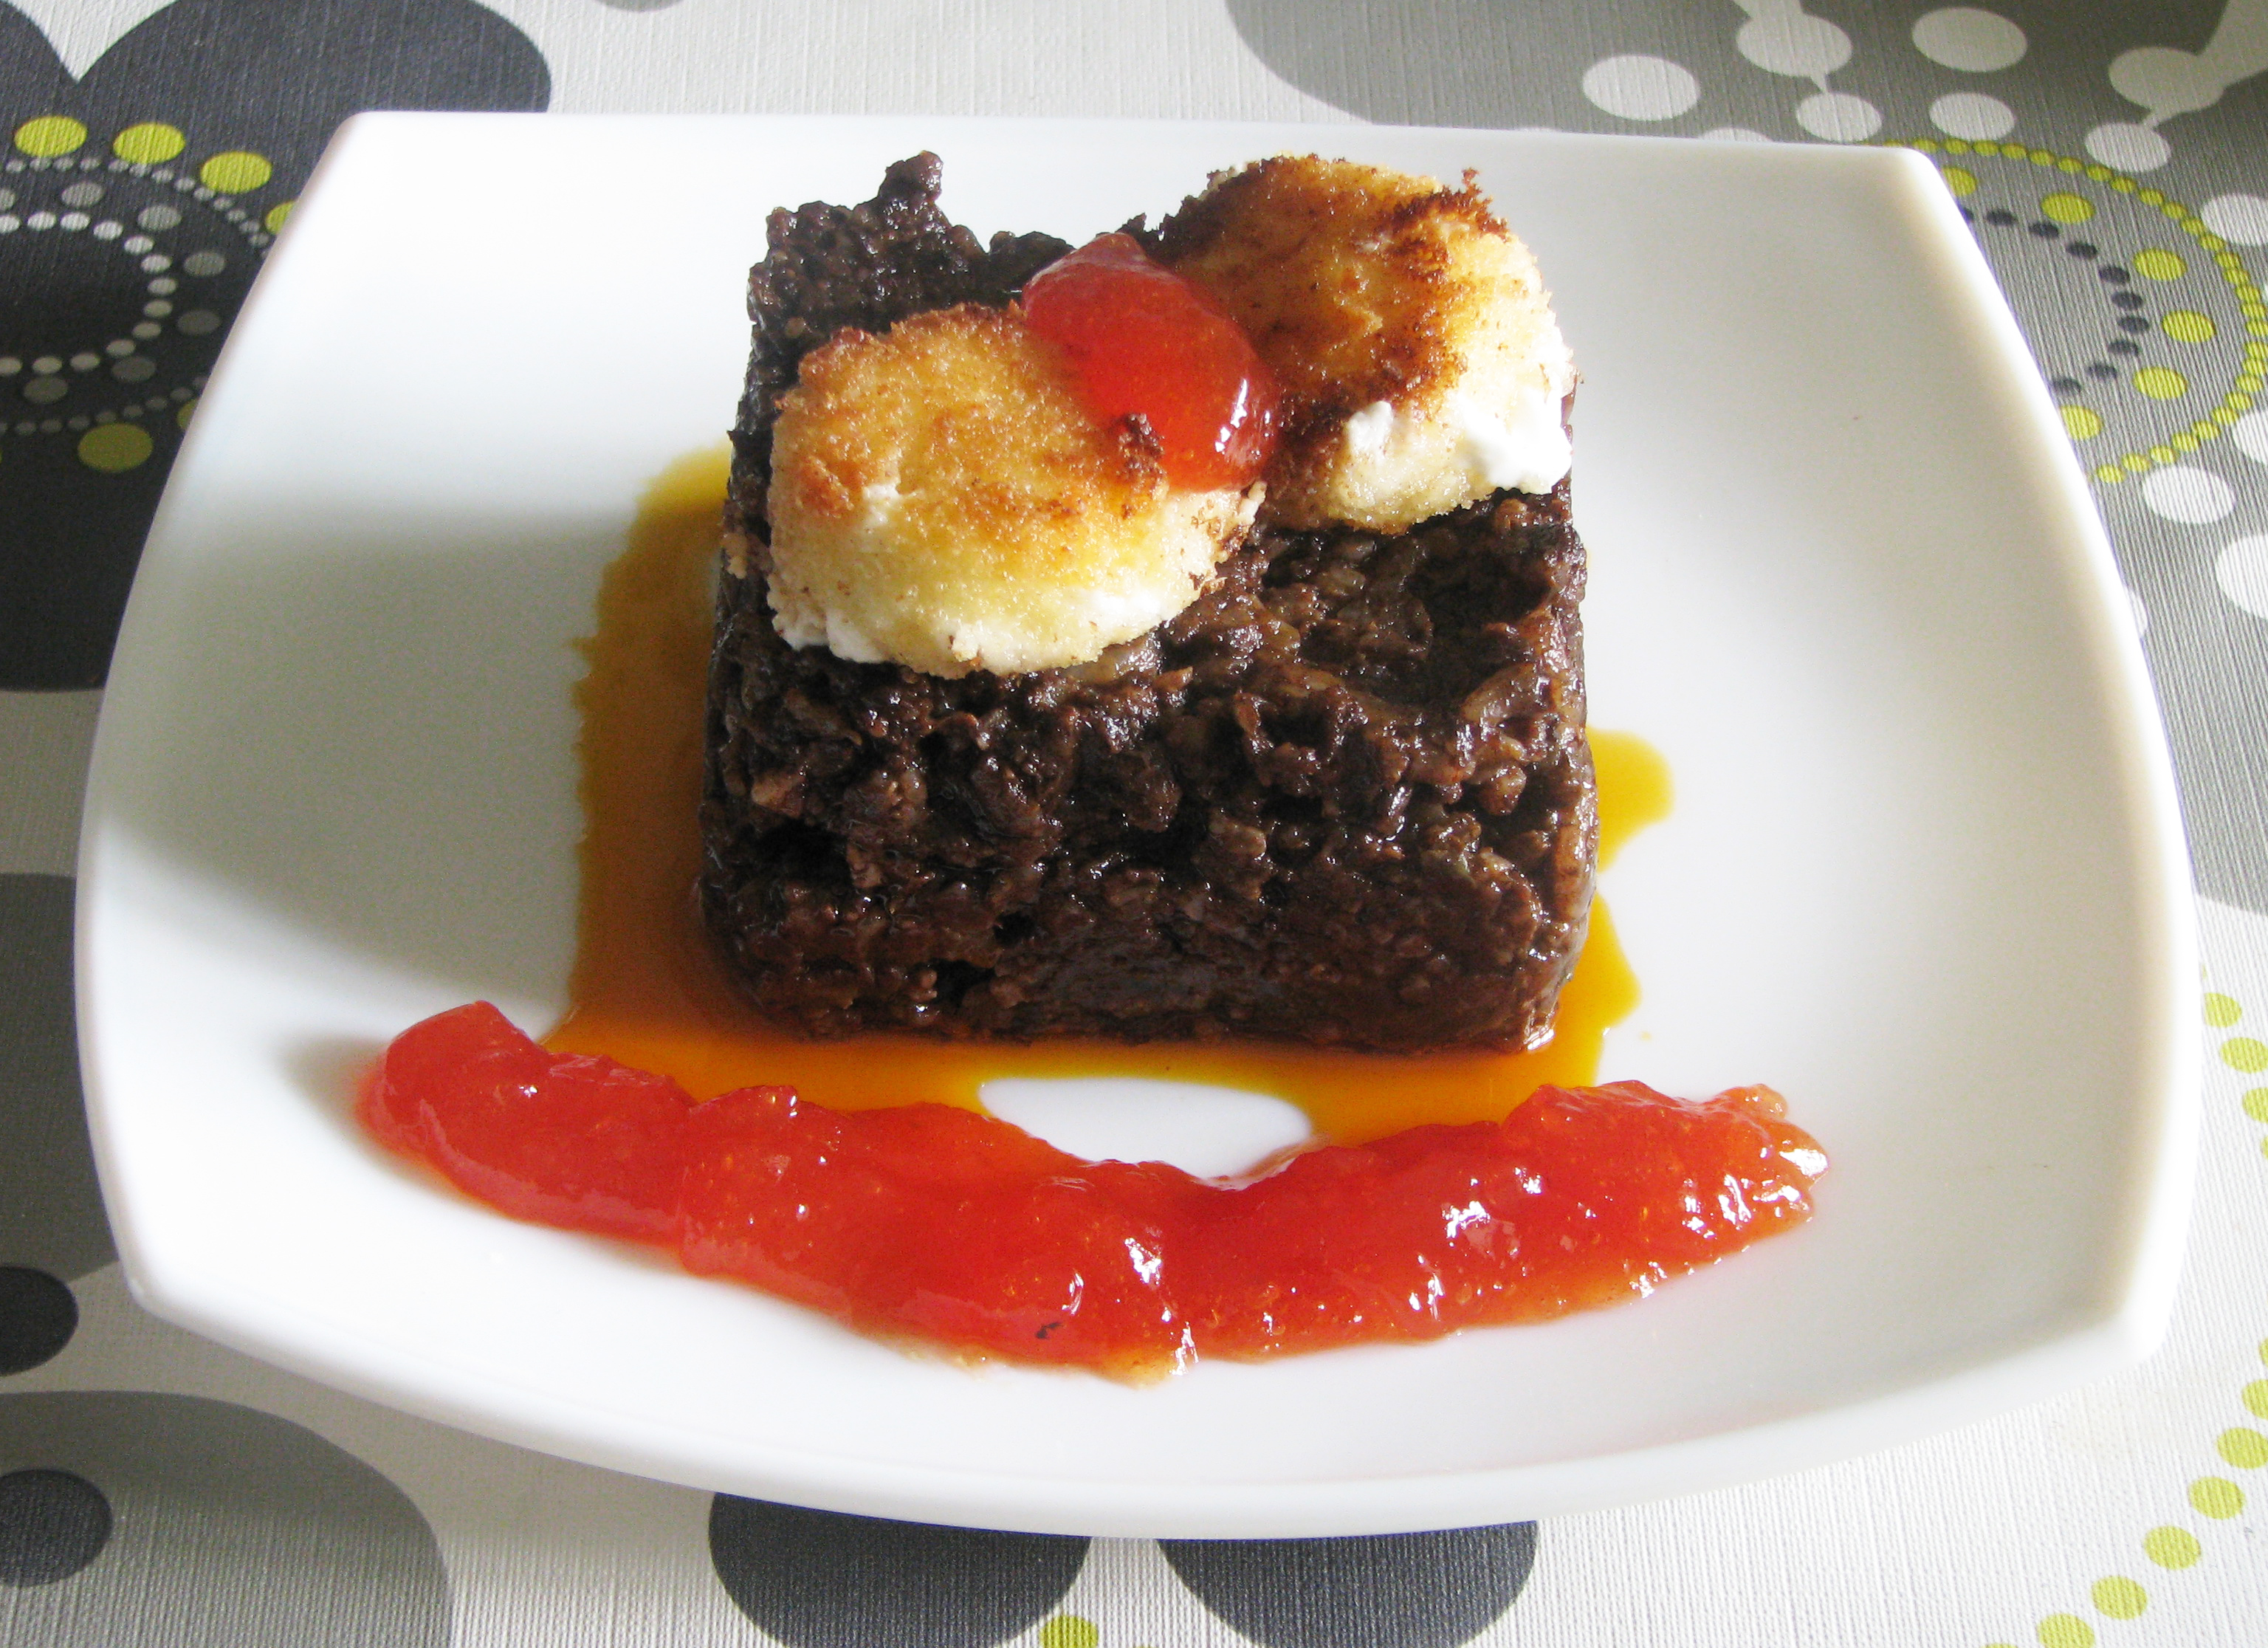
[[1924, 875]]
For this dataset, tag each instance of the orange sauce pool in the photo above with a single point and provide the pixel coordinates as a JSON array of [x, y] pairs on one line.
[[647, 990]]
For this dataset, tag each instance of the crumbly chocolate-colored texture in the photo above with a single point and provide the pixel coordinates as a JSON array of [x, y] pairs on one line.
[[1344, 797], [868, 267]]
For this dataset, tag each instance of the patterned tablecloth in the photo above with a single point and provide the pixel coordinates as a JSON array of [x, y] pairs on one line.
[[157, 1490]]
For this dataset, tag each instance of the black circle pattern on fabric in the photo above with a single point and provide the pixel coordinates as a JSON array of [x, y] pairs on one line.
[[816, 1579], [52, 1524], [1385, 1590], [38, 1316], [134, 220]]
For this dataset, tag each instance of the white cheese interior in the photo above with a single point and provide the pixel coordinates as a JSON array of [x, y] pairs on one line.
[[1522, 446]]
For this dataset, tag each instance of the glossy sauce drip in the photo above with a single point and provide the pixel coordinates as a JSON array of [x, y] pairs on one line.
[[1145, 341], [646, 990]]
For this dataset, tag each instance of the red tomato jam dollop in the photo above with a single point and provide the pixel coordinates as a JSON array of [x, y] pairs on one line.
[[936, 1224], [1145, 340]]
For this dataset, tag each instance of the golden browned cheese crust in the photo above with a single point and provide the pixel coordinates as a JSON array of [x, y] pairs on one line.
[[1365, 289], [1338, 273], [941, 497]]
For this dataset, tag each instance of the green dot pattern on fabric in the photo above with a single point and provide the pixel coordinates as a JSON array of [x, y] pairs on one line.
[[2245, 1054], [2171, 1547], [115, 447], [2119, 1597], [148, 144], [2255, 1397], [236, 171], [2164, 388], [2220, 1010], [2065, 1631], [1067, 1630], [50, 134], [2244, 1447], [2216, 1497]]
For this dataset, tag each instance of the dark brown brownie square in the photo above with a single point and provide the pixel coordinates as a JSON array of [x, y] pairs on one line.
[[1344, 797]]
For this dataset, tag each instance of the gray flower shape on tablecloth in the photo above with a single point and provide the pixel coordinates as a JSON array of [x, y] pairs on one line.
[[133, 1518], [52, 1228], [136, 204], [142, 1520]]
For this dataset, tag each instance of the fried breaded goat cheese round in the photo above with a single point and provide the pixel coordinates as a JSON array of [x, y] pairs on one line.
[[942, 498], [1421, 365]]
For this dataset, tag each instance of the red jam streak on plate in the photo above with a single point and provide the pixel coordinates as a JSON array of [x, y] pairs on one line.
[[863, 1179], [931, 1223], [1145, 341]]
